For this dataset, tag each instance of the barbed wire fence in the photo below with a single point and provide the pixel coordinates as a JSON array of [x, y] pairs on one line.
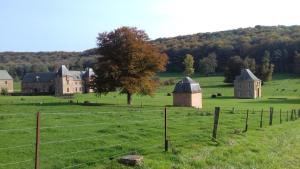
[[165, 132]]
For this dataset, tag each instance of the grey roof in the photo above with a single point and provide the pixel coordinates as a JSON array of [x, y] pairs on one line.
[[39, 77], [77, 75], [246, 74], [187, 85], [63, 70], [89, 72], [4, 75]]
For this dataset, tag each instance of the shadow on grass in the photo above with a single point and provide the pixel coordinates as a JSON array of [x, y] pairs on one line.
[[65, 104], [226, 85], [221, 97], [277, 101]]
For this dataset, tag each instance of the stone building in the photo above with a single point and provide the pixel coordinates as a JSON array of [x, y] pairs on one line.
[[62, 82], [188, 93], [247, 85], [6, 81]]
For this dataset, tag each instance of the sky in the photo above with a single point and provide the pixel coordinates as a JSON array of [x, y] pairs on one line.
[[73, 25]]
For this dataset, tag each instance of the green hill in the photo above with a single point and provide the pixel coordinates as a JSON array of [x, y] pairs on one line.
[[281, 41]]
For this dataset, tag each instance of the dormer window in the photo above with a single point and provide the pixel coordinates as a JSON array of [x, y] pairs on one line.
[[37, 78]]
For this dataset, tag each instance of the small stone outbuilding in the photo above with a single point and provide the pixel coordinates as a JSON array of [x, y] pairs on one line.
[[6, 81], [188, 93], [247, 85]]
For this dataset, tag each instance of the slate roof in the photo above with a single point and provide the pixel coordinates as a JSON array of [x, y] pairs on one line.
[[89, 72], [246, 74], [4, 75], [77, 75], [43, 77], [63, 70], [187, 85]]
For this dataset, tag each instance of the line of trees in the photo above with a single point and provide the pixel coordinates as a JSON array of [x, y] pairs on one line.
[[282, 42], [264, 70], [20, 63]]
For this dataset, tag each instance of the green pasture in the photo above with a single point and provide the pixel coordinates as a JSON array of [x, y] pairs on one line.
[[89, 131]]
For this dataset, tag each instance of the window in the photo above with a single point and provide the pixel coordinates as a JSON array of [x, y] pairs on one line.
[[6, 82], [249, 85], [76, 89], [68, 81], [239, 93], [68, 90], [76, 84]]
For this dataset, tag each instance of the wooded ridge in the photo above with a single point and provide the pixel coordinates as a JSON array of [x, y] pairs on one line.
[[282, 42]]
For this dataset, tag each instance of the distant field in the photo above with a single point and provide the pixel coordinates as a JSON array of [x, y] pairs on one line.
[[88, 135]]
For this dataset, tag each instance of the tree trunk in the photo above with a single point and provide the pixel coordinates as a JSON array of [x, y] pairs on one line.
[[129, 98]]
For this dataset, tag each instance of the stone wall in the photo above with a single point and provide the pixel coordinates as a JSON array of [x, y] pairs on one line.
[[7, 84], [247, 89], [37, 87], [187, 99]]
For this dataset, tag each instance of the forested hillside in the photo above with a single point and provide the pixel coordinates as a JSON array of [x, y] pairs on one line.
[[19, 63], [281, 42]]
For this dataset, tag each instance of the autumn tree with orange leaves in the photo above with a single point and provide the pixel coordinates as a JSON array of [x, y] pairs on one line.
[[128, 64]]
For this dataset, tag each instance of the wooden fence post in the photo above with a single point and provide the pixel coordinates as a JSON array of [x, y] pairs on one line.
[[271, 116], [37, 143], [216, 122], [292, 115], [246, 125], [166, 140], [280, 116], [261, 118]]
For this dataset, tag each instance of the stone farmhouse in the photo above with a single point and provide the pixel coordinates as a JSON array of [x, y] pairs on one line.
[[62, 82], [247, 85], [6, 81], [187, 93]]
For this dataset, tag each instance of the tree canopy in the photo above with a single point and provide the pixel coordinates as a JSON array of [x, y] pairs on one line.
[[189, 65], [281, 41], [128, 63], [209, 64]]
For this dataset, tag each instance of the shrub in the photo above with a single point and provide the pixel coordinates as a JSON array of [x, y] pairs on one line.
[[237, 131], [3, 92], [169, 82], [86, 102], [169, 94], [208, 113], [22, 99], [201, 114], [71, 101], [213, 96], [219, 94]]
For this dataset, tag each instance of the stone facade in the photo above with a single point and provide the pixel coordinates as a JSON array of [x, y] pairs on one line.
[[187, 93], [6, 81], [247, 85], [62, 82]]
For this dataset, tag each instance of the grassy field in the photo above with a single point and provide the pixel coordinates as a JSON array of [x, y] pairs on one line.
[[94, 135]]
